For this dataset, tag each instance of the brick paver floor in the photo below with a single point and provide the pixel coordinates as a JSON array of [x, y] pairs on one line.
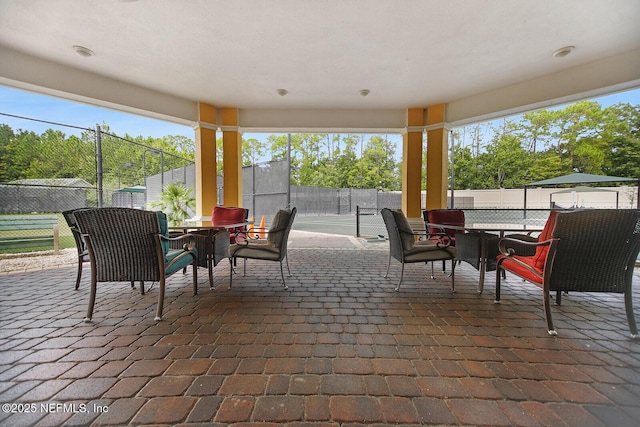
[[340, 347]]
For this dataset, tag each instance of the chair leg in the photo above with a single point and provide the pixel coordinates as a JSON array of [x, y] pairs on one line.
[[628, 305], [498, 277], [212, 285], [160, 300], [453, 276], [231, 263], [401, 275], [282, 274], [195, 277], [79, 274], [433, 276], [92, 296], [141, 287], [547, 311], [286, 258], [388, 265]]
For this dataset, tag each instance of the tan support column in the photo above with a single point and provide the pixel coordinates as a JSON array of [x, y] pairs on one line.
[[206, 191], [231, 158], [437, 158], [412, 163]]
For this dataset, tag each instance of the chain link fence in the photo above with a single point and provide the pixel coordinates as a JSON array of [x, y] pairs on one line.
[[106, 170]]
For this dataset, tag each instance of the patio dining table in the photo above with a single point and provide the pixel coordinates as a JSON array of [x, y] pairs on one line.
[[212, 240], [477, 243]]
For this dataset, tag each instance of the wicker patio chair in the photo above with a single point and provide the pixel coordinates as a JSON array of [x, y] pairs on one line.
[[586, 251], [83, 252], [445, 217], [127, 245], [404, 247], [273, 248]]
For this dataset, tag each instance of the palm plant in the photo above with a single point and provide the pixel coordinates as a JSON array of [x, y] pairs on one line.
[[175, 199]]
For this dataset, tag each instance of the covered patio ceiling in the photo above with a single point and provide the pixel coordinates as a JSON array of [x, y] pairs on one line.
[[481, 59]]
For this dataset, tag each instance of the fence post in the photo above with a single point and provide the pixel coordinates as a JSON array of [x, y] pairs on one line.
[[99, 164], [357, 221], [56, 239]]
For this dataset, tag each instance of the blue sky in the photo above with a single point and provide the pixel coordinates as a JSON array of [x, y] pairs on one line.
[[27, 104]]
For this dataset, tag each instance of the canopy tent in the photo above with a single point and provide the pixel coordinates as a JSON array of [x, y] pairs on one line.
[[579, 178], [582, 189], [134, 189]]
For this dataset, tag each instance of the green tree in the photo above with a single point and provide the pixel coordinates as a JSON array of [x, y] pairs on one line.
[[507, 162], [623, 154], [252, 151], [379, 165], [346, 163], [534, 130]]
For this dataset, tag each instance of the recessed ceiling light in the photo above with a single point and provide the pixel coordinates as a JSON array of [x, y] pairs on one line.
[[83, 51], [364, 92], [563, 51], [282, 92]]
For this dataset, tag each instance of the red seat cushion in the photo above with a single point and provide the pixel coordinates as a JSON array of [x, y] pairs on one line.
[[516, 268], [536, 261], [541, 251], [222, 213]]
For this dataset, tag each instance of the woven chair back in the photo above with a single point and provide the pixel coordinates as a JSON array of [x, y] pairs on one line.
[[597, 250], [121, 243]]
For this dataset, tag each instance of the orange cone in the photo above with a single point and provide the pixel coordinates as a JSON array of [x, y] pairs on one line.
[[262, 228]]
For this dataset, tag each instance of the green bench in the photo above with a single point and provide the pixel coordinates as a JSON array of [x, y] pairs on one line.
[[29, 231]]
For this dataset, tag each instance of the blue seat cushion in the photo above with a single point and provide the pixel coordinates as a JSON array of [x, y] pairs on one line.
[[181, 263], [164, 230], [171, 254]]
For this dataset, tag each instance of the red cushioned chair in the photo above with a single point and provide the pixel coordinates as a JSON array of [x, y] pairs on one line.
[[225, 214], [592, 250], [445, 217]]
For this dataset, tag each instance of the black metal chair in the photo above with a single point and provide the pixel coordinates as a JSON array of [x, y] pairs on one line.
[[404, 247], [591, 250], [273, 248], [127, 245]]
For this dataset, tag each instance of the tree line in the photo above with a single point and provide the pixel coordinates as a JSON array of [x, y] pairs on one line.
[[582, 137]]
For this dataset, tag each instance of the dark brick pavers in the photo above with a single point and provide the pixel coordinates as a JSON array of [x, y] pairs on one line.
[[340, 347]]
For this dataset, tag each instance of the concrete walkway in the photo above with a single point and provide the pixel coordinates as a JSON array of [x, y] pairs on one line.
[[339, 348]]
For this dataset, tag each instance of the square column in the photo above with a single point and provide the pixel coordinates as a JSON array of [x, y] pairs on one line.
[[437, 158], [231, 158], [412, 163], [206, 171]]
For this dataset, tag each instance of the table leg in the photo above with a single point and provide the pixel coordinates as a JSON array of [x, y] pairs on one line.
[[483, 261]]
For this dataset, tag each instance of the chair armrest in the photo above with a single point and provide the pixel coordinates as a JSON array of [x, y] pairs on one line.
[[188, 246], [504, 250], [442, 240], [509, 253]]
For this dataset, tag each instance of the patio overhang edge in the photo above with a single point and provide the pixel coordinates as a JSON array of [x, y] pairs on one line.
[[609, 75]]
